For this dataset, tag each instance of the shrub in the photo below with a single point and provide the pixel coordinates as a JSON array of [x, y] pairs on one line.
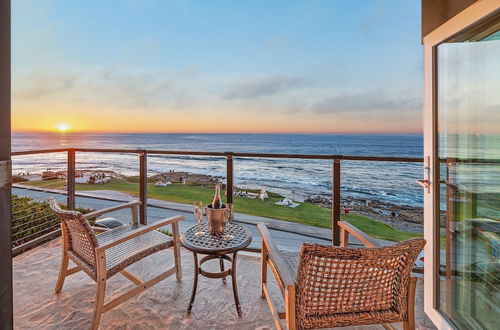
[[32, 219]]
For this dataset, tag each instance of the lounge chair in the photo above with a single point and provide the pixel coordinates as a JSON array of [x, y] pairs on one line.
[[104, 255], [328, 286]]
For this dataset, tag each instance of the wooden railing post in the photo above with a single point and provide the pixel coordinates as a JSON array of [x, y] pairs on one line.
[[6, 314], [70, 177], [143, 187], [336, 202], [229, 177]]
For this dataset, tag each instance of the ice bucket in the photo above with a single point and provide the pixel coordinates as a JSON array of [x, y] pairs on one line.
[[217, 219]]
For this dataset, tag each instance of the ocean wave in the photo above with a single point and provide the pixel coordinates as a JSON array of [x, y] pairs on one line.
[[291, 177]]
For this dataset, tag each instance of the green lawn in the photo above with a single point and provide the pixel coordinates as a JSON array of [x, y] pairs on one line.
[[305, 213]]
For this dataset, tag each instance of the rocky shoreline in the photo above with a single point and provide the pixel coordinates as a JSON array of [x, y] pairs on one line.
[[50, 174], [401, 217], [189, 178]]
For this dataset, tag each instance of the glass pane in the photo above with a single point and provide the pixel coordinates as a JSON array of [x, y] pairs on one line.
[[469, 150]]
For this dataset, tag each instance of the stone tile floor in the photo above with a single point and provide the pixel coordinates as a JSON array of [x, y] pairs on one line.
[[163, 306]]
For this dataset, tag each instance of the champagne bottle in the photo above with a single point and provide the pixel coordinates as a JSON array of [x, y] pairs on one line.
[[216, 203]]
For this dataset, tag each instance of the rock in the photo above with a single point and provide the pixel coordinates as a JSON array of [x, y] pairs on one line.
[[190, 178], [319, 201], [245, 194], [18, 178], [49, 175], [61, 174]]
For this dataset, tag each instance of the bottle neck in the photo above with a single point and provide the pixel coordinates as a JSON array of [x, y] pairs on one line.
[[216, 203]]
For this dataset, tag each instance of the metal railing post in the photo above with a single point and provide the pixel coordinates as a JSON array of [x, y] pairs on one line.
[[336, 202], [70, 176], [229, 177], [143, 187], [451, 197]]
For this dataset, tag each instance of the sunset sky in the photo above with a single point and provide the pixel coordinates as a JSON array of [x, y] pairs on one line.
[[217, 66]]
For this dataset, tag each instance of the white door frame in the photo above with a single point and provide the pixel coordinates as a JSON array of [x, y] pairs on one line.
[[469, 16]]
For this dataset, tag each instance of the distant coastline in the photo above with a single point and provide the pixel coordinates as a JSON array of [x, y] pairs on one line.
[[405, 218], [391, 183]]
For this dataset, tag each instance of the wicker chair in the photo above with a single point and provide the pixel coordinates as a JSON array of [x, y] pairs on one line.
[[328, 286], [104, 255]]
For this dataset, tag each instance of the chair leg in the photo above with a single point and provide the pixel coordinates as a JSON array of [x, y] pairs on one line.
[[177, 251], [100, 291], [263, 269], [63, 269], [409, 324], [290, 308]]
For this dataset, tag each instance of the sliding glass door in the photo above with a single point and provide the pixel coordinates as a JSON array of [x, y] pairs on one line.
[[468, 198]]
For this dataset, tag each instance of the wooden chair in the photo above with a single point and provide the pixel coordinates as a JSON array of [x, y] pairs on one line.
[[104, 255], [328, 286]]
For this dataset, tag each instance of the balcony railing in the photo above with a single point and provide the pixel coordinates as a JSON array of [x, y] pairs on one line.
[[20, 245]]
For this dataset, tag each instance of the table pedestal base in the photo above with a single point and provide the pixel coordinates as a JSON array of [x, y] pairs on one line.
[[222, 274]]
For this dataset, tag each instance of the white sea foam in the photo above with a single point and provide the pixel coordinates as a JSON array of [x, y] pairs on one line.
[[295, 178]]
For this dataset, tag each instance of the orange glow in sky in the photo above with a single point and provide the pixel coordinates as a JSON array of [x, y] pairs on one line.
[[90, 118], [78, 75]]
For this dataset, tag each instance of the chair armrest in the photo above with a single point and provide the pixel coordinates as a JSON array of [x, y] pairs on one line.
[[139, 231], [99, 229], [97, 213], [275, 255], [363, 237]]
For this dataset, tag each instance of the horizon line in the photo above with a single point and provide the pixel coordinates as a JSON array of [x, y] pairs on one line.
[[215, 133]]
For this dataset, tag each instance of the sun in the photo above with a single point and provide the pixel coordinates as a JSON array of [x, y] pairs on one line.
[[63, 127]]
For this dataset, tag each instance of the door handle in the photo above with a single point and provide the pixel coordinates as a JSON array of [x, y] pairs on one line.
[[424, 184]]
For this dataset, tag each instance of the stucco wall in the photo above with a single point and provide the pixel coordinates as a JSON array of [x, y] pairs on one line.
[[436, 12]]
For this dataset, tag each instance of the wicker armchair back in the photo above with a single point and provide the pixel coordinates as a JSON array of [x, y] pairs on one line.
[[341, 286], [79, 237]]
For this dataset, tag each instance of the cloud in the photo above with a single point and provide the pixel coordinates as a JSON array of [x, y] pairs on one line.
[[38, 85], [130, 89], [105, 86], [265, 87], [363, 102]]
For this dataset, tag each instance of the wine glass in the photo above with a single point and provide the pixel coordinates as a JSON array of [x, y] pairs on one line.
[[198, 215], [228, 218], [230, 210]]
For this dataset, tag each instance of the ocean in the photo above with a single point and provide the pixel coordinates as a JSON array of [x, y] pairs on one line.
[[294, 178]]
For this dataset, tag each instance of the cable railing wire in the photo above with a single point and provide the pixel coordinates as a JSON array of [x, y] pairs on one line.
[[35, 235], [38, 219], [32, 220], [37, 226], [39, 192]]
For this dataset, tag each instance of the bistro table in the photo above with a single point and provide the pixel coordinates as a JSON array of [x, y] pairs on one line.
[[216, 247]]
